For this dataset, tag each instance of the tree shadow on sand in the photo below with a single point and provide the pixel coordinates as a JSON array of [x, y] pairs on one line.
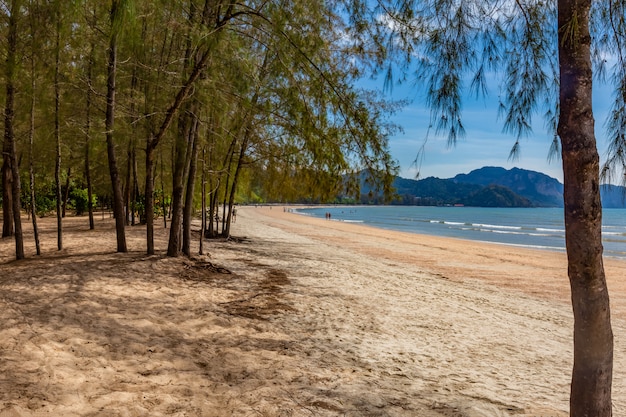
[[125, 334]]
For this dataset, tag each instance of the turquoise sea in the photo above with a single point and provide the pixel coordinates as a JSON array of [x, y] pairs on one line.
[[540, 228]]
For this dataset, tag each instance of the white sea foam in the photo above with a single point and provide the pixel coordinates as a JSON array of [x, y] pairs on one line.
[[497, 226], [540, 228]]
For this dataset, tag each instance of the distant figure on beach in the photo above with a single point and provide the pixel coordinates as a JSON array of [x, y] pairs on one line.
[[234, 214], [327, 215]]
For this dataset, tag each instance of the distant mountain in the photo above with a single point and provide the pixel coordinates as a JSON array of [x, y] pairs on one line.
[[496, 196], [490, 187], [433, 191], [438, 192], [540, 189]]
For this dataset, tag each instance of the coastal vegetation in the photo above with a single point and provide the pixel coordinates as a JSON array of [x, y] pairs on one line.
[[163, 109]]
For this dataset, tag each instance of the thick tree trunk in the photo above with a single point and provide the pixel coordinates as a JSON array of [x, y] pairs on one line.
[[118, 199], [593, 337], [9, 134]]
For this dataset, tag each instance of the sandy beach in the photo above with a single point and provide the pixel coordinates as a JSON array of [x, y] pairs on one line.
[[296, 316]]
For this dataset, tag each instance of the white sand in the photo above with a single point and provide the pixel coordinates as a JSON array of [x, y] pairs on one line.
[[316, 318]]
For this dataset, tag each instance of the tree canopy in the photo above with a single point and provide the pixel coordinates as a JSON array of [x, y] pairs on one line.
[[263, 89]]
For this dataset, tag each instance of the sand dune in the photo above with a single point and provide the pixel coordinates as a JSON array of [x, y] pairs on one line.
[[298, 317]]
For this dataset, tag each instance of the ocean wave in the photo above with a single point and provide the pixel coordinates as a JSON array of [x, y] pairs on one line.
[[497, 226], [504, 232], [530, 246], [614, 233], [544, 229]]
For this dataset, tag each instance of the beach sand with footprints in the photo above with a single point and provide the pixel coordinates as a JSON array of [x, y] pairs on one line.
[[294, 316]]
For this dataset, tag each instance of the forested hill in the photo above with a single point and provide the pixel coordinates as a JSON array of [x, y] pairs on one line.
[[493, 187], [539, 188], [436, 192]]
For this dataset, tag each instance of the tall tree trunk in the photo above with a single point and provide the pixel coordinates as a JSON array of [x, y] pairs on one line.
[[163, 202], [174, 244], [182, 159], [183, 151], [9, 134], [7, 193], [191, 179], [134, 194], [227, 168], [88, 137], [118, 199], [149, 192], [233, 190], [127, 186], [31, 139], [213, 210], [153, 142], [66, 194], [203, 203], [57, 130], [593, 337]]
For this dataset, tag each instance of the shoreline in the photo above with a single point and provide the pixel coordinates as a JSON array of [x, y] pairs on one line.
[[522, 246], [471, 259], [487, 276], [294, 316], [499, 230]]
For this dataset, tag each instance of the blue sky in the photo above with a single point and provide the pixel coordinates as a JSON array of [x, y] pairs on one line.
[[485, 143]]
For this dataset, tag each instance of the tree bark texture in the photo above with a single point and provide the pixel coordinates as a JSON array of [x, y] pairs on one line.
[[7, 184], [9, 134], [92, 225], [183, 148], [593, 337], [149, 193], [90, 65], [189, 192], [57, 131], [31, 165], [203, 203], [118, 198]]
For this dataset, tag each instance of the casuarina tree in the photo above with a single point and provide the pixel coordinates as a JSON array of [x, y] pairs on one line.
[[547, 52]]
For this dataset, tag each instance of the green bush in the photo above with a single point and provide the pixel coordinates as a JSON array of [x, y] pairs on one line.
[[79, 199]]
